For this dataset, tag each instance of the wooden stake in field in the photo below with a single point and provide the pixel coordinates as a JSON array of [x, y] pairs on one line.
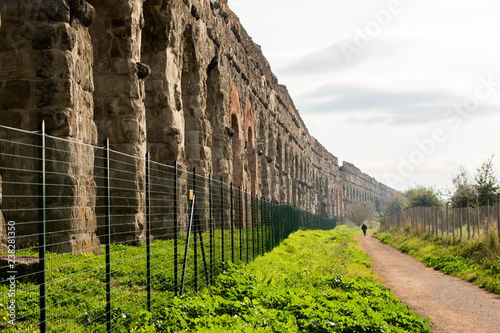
[[488, 219], [447, 221], [468, 219], [453, 212], [442, 220], [478, 219], [498, 217], [436, 222], [461, 221]]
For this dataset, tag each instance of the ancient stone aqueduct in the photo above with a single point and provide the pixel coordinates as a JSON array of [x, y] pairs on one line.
[[180, 78]]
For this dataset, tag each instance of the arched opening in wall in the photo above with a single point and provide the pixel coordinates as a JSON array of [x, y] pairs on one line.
[[279, 154], [237, 156], [215, 114], [190, 98], [252, 161], [279, 167], [262, 144], [295, 181]]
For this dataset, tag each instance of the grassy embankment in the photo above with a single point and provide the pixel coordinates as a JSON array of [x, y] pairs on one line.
[[315, 281], [476, 261]]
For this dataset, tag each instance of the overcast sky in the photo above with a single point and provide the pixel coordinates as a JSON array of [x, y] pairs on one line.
[[407, 90]]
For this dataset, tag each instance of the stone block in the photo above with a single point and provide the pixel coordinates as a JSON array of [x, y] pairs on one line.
[[13, 11], [60, 122], [192, 138], [48, 36], [82, 11], [15, 94], [48, 11], [124, 131], [115, 87], [166, 153], [10, 65], [123, 66], [52, 64], [52, 93]]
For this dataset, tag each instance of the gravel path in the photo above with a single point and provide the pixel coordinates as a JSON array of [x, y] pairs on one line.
[[453, 305]]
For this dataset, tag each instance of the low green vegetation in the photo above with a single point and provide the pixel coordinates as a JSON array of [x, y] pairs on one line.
[[476, 261], [76, 284], [315, 281]]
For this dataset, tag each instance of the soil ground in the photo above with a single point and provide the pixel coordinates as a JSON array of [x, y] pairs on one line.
[[453, 305]]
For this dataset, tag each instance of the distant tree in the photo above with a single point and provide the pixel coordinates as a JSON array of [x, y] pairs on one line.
[[486, 185], [395, 204], [422, 196], [378, 205], [462, 190], [359, 213]]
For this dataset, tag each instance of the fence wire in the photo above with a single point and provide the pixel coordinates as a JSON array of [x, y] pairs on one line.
[[91, 238], [454, 223]]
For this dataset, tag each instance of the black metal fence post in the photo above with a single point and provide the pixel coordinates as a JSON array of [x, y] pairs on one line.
[[222, 219], [195, 226], [107, 231], [176, 234], [211, 217], [232, 220], [262, 225], [41, 230], [254, 230], [268, 226], [247, 231], [148, 229], [498, 215], [240, 222]]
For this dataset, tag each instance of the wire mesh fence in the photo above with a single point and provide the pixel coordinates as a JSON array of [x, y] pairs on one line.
[[91, 238], [443, 221]]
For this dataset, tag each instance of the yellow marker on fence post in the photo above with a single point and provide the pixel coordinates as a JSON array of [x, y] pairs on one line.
[[190, 194]]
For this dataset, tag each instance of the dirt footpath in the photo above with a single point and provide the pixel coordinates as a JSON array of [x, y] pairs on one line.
[[453, 305]]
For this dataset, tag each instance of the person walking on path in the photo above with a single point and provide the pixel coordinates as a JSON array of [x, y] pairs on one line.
[[364, 227]]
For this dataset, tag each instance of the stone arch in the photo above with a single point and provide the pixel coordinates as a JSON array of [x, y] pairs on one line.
[[218, 120], [262, 151], [251, 152], [237, 136], [279, 153], [279, 166], [286, 172], [295, 180]]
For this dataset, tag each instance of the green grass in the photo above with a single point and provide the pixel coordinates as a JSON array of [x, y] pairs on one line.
[[476, 261], [315, 281], [76, 284]]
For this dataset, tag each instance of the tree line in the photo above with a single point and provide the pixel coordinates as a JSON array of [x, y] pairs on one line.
[[478, 189]]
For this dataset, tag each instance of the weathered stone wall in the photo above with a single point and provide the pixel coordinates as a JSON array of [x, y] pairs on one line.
[[46, 73], [180, 78], [119, 111]]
